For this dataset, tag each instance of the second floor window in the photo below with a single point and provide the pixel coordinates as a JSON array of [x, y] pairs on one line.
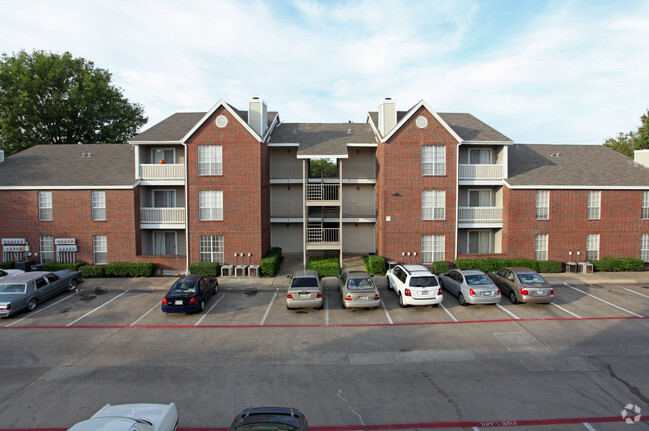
[[542, 204], [98, 205], [594, 204], [210, 160], [433, 204], [45, 206], [210, 205], [433, 158]]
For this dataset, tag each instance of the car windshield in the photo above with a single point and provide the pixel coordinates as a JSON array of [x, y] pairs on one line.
[[304, 282], [183, 287], [423, 281], [478, 279], [360, 283], [531, 278], [12, 288], [266, 426]]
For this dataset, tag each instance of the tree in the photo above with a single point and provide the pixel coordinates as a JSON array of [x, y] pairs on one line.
[[626, 143], [48, 98]]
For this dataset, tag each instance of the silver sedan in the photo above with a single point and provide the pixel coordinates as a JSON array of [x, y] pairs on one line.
[[357, 290], [471, 286]]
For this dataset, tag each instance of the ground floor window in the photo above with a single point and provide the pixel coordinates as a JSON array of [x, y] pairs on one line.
[[211, 248], [541, 246], [47, 249], [432, 248], [644, 247], [592, 246], [100, 249]]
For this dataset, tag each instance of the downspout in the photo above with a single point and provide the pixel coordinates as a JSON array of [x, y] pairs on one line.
[[457, 194], [186, 213]]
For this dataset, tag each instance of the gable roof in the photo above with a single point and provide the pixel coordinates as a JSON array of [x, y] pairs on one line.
[[69, 166], [323, 139], [545, 166]]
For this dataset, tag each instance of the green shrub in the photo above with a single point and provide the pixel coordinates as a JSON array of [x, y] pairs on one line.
[[59, 266], [7, 265], [493, 264], [618, 264], [208, 269], [326, 266], [90, 271], [549, 266], [374, 264], [272, 262], [126, 269], [441, 267]]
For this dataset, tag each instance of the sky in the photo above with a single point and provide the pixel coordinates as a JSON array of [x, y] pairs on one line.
[[537, 71]]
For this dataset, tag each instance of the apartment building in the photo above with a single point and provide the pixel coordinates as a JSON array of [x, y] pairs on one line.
[[412, 185]]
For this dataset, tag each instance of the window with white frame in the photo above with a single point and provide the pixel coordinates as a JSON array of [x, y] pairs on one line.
[[210, 205], [164, 198], [98, 205], [645, 204], [164, 243], [210, 160], [47, 249], [432, 248], [592, 246], [644, 247], [542, 204], [541, 246], [45, 206], [211, 248], [433, 204], [433, 159], [479, 156], [594, 204], [163, 155], [100, 249]]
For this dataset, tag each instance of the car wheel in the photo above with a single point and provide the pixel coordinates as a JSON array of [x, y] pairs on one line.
[[32, 304], [202, 307], [390, 284], [401, 303], [462, 300], [512, 297], [73, 285]]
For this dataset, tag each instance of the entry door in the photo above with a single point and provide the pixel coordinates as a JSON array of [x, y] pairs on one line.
[[479, 241], [164, 243], [480, 198]]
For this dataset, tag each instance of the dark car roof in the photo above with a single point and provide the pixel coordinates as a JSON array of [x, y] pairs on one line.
[[288, 415], [25, 277], [189, 278], [519, 269]]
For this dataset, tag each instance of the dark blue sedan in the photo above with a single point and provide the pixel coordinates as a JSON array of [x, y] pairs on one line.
[[189, 294]]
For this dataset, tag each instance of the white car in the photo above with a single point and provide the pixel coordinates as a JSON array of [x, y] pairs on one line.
[[6, 273], [415, 285], [131, 417]]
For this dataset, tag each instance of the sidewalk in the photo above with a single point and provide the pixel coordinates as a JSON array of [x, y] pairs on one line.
[[641, 277]]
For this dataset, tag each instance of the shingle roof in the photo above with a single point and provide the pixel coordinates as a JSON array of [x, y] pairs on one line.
[[46, 166], [323, 139], [467, 127], [573, 166]]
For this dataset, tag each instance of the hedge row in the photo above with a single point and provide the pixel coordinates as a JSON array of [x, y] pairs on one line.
[[441, 267], [272, 262], [326, 266], [7, 265], [59, 266], [119, 269], [208, 269], [375, 265], [493, 264], [618, 264]]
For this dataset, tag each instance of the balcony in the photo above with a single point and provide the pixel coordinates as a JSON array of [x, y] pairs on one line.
[[360, 171], [162, 172], [322, 193], [286, 171], [359, 210], [481, 173], [286, 209], [162, 217], [480, 216], [323, 238]]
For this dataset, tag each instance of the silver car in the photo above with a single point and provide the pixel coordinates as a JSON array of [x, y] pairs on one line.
[[523, 285], [357, 290], [471, 286], [304, 290], [25, 291]]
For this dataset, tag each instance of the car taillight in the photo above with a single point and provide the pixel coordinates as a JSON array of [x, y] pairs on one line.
[[524, 291], [193, 300], [348, 298], [376, 297], [551, 291], [498, 291], [319, 295], [164, 301], [289, 296], [471, 292], [407, 292]]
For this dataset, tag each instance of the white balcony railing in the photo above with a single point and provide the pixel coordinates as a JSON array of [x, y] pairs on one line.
[[162, 215], [322, 192], [481, 172], [480, 214], [359, 209], [322, 235], [286, 209], [162, 172]]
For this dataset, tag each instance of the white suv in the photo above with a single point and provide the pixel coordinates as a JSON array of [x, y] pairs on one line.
[[415, 285]]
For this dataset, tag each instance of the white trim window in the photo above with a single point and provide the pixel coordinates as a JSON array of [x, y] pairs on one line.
[[594, 204], [210, 205], [433, 160], [210, 160], [542, 204], [163, 198], [645, 204], [432, 248], [644, 247], [592, 246], [98, 199], [47, 249], [211, 248], [480, 156], [45, 206], [100, 249], [163, 155], [433, 204], [541, 246]]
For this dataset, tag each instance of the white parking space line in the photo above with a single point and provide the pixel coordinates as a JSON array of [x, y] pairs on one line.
[[605, 302], [205, 314], [448, 312], [386, 312], [588, 426], [507, 311], [326, 307], [637, 293], [569, 312], [44, 308], [93, 310], [145, 314], [263, 320]]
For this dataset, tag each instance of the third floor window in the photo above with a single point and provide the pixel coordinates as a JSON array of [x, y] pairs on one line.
[[210, 160], [433, 159]]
